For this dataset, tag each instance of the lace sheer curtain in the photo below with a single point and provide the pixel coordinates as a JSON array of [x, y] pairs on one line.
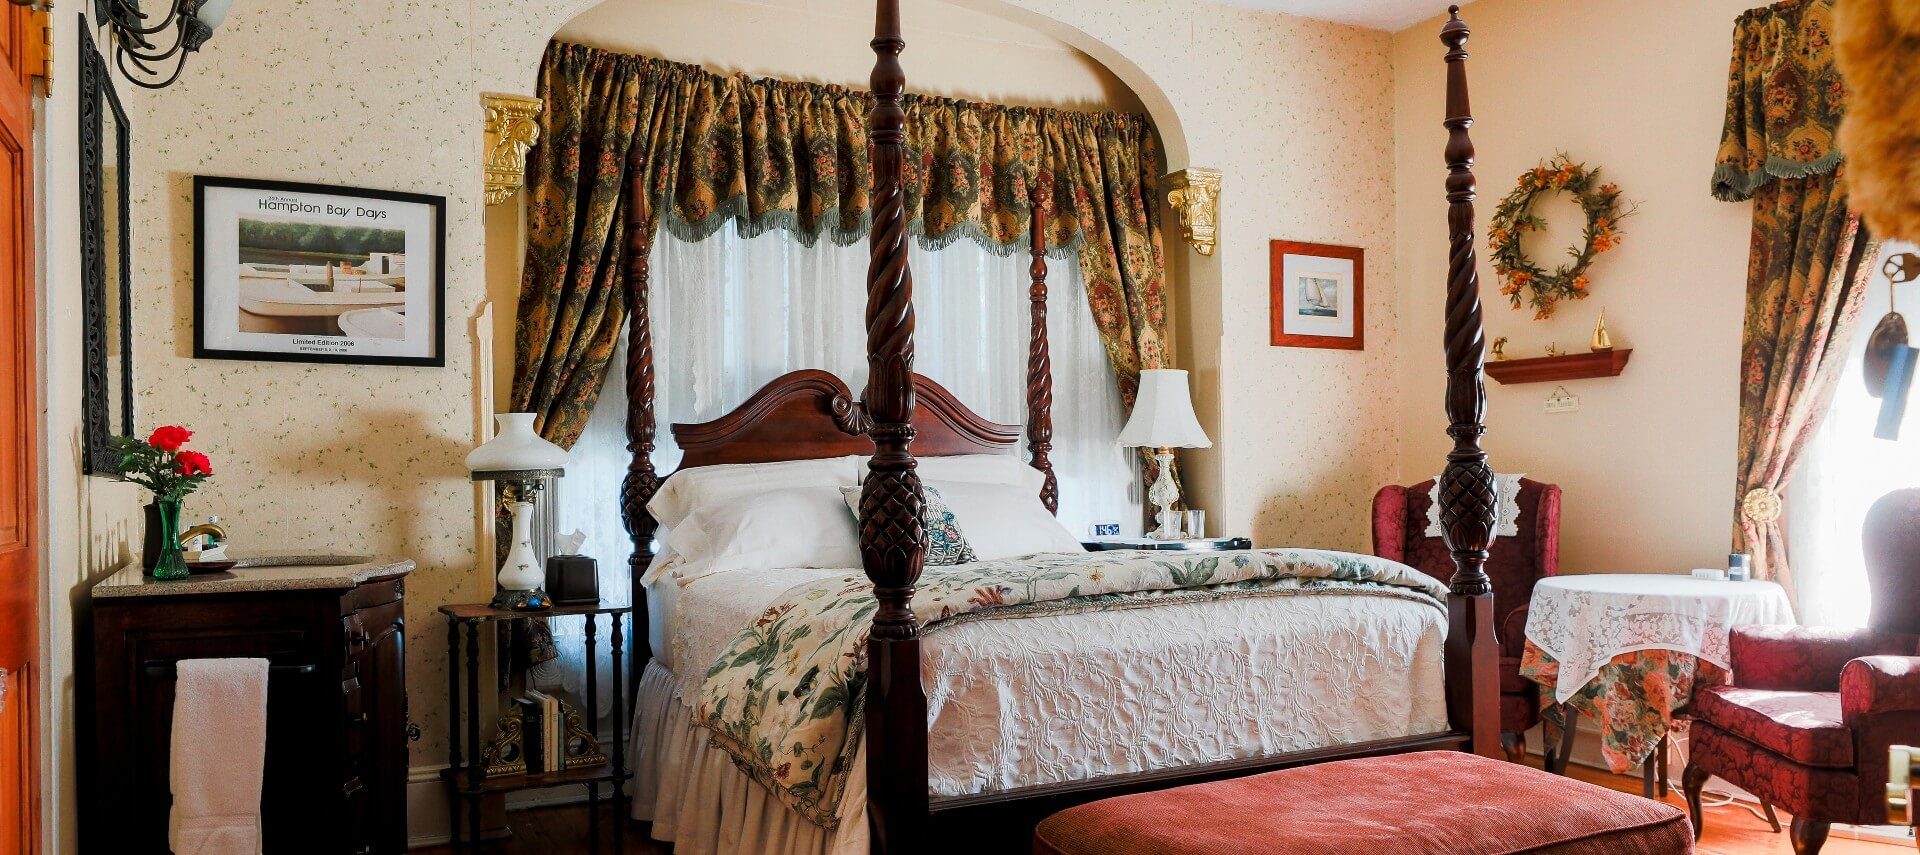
[[1844, 470], [731, 313]]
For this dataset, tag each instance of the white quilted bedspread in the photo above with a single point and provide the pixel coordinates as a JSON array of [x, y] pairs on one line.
[[1040, 700]]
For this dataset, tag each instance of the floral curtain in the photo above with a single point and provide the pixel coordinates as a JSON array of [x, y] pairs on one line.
[[1784, 99], [765, 154], [572, 305], [1804, 276]]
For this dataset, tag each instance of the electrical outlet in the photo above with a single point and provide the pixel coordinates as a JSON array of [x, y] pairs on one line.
[[1563, 403]]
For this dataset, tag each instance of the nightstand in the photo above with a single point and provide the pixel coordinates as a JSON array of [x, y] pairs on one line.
[[470, 782], [1200, 544]]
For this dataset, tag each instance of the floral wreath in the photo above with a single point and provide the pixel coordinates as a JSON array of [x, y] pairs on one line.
[[1515, 217]]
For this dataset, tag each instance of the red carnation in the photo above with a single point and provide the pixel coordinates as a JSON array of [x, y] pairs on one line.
[[192, 463], [170, 438]]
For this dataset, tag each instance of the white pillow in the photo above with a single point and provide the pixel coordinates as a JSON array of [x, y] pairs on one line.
[[1006, 469], [689, 490], [1003, 521], [790, 527]]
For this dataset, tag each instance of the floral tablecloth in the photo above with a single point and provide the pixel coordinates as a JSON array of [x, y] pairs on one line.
[[1633, 697]]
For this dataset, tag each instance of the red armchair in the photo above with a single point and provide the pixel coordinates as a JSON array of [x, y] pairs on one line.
[[1516, 563], [1811, 713]]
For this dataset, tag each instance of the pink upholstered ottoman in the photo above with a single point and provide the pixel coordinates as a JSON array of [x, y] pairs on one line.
[[1409, 804]]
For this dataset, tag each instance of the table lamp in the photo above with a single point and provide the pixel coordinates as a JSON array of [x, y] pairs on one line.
[[1163, 419], [520, 460]]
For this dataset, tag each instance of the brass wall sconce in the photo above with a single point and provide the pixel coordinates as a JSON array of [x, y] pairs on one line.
[[512, 128], [1195, 195]]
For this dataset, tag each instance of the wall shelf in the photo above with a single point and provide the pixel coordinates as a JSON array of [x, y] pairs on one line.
[[1571, 366]]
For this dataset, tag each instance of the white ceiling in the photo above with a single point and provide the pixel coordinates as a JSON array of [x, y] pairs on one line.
[[1378, 14]]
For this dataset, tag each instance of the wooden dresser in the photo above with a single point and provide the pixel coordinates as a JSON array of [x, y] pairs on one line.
[[336, 757]]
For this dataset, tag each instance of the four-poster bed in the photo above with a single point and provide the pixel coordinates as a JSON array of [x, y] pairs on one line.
[[811, 414]]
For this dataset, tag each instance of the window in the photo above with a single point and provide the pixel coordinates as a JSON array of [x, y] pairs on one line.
[[1843, 470], [731, 313]]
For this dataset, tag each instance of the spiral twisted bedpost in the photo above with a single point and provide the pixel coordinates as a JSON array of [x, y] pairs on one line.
[[1039, 363], [641, 481], [893, 538], [1467, 500]]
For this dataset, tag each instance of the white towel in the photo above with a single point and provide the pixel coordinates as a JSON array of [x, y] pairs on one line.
[[219, 756]]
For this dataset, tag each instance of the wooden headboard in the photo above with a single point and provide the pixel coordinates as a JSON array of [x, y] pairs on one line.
[[810, 414]]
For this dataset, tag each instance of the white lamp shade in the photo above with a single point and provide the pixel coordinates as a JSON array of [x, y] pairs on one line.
[[516, 446], [1163, 413], [212, 12]]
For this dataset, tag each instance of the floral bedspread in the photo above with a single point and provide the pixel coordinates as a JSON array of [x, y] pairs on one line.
[[1633, 698], [786, 698]]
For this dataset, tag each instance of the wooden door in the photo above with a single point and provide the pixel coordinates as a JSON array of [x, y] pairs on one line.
[[20, 58]]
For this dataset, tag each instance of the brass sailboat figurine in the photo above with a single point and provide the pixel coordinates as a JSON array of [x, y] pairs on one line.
[[1601, 341]]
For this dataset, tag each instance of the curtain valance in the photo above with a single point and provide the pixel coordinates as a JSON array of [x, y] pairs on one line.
[[768, 154], [1785, 98]]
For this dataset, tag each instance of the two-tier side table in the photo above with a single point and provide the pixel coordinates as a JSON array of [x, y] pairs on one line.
[[465, 775]]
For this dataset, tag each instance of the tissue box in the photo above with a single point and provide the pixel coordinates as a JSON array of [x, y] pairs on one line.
[[573, 580]]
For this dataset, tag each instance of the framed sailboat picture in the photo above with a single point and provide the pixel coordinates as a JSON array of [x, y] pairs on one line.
[[1317, 295], [318, 273]]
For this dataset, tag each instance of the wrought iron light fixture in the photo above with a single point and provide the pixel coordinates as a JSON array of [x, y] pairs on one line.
[[142, 50]]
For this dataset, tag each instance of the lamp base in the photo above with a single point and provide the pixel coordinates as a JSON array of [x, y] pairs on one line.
[[512, 600], [1163, 494]]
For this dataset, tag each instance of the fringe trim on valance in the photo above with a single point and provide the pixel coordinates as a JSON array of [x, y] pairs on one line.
[[748, 226], [1734, 185]]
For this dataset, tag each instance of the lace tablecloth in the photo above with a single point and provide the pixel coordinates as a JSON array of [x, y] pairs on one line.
[[1583, 622]]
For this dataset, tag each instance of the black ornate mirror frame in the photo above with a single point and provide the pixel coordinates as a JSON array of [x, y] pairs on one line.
[[97, 98]]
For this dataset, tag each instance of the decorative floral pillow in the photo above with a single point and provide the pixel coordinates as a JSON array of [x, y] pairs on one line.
[[946, 545]]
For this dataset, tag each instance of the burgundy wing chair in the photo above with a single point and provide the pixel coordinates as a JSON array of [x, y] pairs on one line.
[[1399, 533], [1811, 713]]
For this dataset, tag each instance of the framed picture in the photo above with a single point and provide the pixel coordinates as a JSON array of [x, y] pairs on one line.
[[1317, 295], [318, 273]]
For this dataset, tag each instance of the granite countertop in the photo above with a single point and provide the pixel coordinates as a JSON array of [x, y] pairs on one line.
[[260, 570]]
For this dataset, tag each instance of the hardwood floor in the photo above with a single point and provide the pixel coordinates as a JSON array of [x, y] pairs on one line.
[[1731, 830], [558, 830]]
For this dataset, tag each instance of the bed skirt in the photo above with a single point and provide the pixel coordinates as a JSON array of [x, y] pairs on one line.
[[698, 801]]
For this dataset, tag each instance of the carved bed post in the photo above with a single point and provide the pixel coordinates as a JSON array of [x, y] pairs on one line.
[[1467, 501], [1039, 364], [893, 539], [641, 481]]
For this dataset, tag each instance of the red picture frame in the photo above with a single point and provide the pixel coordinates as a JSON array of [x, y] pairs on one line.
[[1316, 295]]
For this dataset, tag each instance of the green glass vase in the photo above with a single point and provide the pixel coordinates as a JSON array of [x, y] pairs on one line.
[[169, 562]]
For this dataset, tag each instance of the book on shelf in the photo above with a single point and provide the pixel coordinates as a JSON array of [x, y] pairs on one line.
[[532, 733], [542, 732], [556, 733]]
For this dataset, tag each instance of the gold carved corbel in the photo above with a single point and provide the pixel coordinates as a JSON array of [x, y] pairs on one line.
[[512, 128], [1195, 195]]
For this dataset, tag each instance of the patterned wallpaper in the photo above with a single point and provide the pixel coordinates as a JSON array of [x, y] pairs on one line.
[[1297, 113]]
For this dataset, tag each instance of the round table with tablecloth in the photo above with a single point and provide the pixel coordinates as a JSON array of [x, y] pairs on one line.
[[1628, 649]]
